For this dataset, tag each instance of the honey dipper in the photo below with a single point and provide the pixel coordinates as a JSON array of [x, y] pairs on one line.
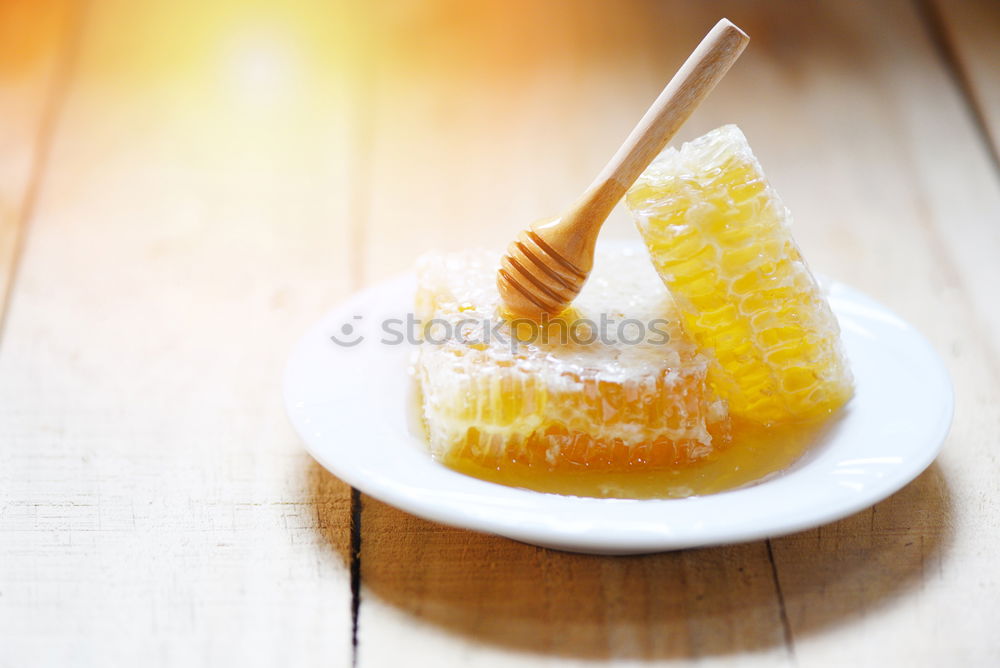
[[547, 265]]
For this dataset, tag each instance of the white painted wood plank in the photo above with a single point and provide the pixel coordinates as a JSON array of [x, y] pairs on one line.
[[472, 139], [155, 506]]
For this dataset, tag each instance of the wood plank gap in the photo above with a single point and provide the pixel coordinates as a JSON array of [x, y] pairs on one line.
[[786, 627], [61, 76], [355, 571], [934, 24]]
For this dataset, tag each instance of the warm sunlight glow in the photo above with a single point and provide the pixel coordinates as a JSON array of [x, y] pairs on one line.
[[262, 70]]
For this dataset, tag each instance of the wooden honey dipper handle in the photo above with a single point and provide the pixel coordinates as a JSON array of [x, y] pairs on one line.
[[545, 268], [692, 83]]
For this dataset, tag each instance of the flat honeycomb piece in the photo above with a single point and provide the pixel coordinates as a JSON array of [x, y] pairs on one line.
[[721, 240], [565, 402]]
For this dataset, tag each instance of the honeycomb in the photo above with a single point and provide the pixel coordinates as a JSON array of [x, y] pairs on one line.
[[560, 396], [721, 241]]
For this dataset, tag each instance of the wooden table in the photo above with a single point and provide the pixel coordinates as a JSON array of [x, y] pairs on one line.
[[185, 186]]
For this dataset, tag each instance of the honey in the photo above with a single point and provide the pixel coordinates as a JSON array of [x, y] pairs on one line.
[[754, 453]]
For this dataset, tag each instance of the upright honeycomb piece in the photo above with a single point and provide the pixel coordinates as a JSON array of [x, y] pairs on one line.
[[720, 239]]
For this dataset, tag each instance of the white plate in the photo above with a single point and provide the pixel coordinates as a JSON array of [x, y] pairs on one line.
[[351, 406]]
